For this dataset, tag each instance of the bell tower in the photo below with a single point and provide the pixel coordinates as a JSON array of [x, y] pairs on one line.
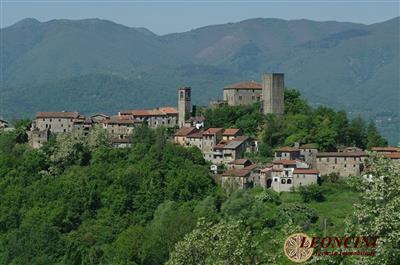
[[184, 105]]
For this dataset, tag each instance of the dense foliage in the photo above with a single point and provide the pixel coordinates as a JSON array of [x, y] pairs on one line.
[[327, 128], [78, 201]]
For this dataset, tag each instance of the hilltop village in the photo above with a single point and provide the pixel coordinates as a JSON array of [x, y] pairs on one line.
[[224, 148]]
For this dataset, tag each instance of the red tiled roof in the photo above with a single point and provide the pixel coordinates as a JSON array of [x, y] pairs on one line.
[[221, 144], [231, 132], [195, 135], [169, 110], [185, 131], [245, 85], [386, 149], [305, 171], [394, 155], [60, 114], [211, 131]]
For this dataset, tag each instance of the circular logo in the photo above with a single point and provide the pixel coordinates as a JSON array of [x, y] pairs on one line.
[[297, 247]]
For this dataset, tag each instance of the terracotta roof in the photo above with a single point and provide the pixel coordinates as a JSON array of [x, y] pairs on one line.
[[242, 161], [169, 110], [341, 154], [211, 131], [60, 114], [231, 132], [184, 131], [276, 170], [305, 171], [288, 149], [234, 172], [394, 155], [222, 144], [195, 135], [386, 149], [245, 85]]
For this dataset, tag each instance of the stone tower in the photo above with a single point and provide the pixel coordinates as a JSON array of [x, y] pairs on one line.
[[184, 105], [272, 93]]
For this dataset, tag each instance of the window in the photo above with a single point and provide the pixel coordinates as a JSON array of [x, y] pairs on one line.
[[304, 176], [345, 165], [335, 160], [354, 159], [345, 159], [43, 119], [275, 179], [65, 130], [253, 97], [59, 120], [283, 181], [327, 160], [181, 95], [240, 97], [52, 120], [289, 181], [62, 125]]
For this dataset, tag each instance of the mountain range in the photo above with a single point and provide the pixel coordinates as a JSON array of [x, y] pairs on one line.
[[95, 65]]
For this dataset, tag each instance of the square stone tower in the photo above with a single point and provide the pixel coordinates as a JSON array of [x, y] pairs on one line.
[[184, 105], [272, 93]]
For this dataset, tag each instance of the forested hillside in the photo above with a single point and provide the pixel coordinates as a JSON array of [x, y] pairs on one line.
[[94, 65], [78, 201]]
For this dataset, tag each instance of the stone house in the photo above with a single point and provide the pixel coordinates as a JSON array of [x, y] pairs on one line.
[[120, 128], [309, 153], [165, 116], [230, 134], [55, 122], [181, 135], [245, 93], [287, 153], [386, 149], [342, 163], [241, 178], [211, 137]]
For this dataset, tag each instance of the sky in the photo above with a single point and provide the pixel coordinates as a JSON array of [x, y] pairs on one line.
[[163, 16]]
